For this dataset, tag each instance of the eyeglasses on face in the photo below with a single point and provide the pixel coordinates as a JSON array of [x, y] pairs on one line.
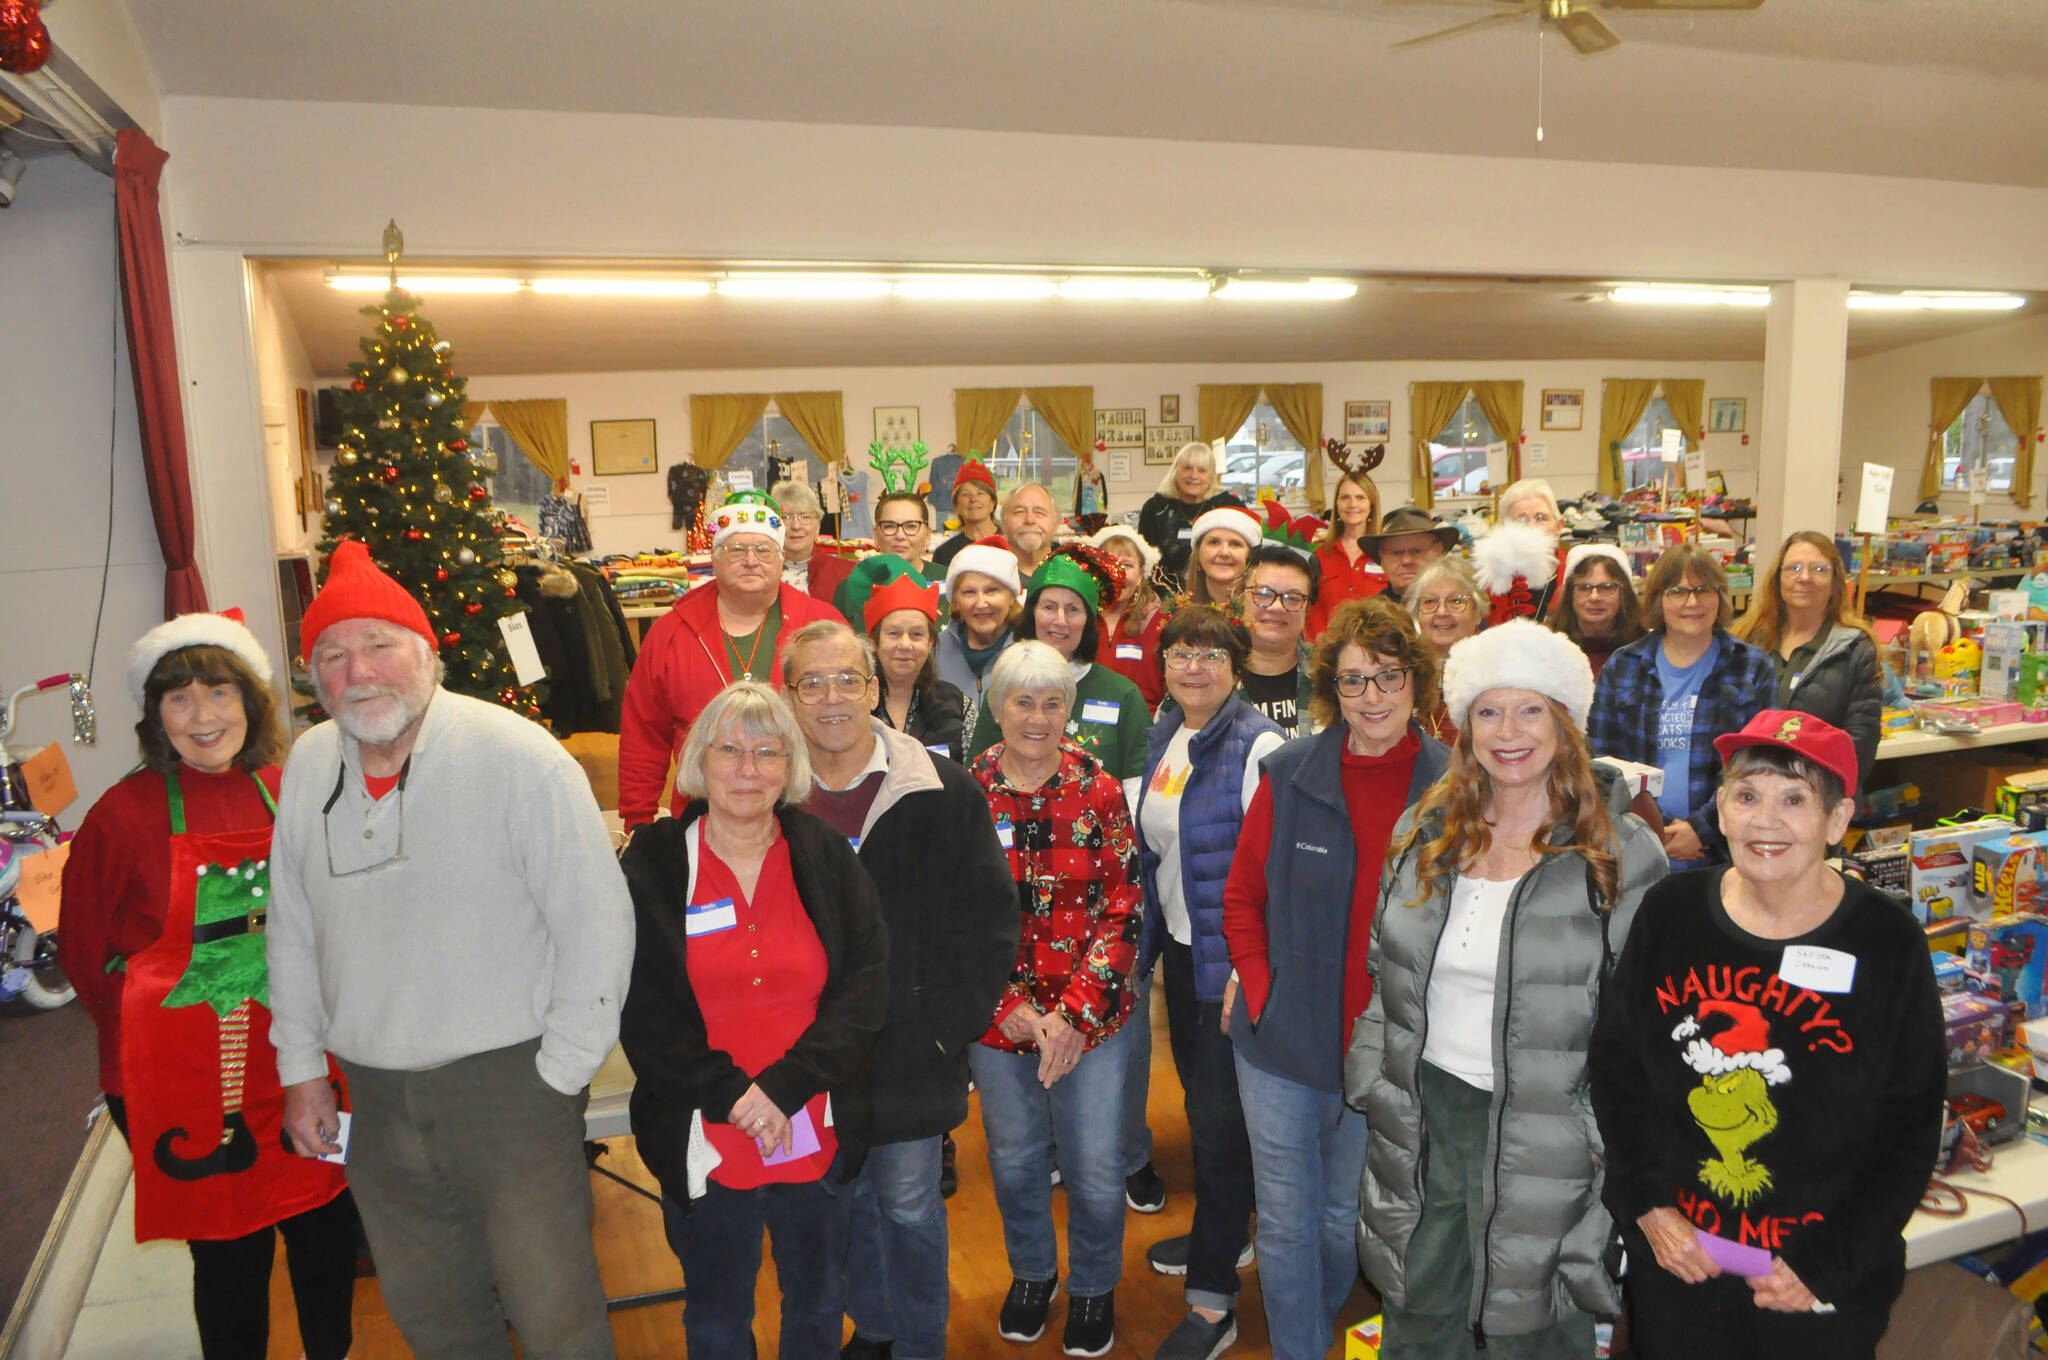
[[799, 517], [758, 756], [1819, 571], [740, 552], [1392, 680], [1265, 597], [811, 689], [1457, 604], [1193, 659], [1680, 594], [898, 526], [1602, 588]]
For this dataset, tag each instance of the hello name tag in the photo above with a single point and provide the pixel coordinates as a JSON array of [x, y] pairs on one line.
[[1817, 969], [1006, 835], [1188, 532], [710, 918], [1130, 651], [1102, 711]]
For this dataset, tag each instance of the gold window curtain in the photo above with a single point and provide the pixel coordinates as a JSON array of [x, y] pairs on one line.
[[819, 418], [1622, 403], [1948, 397], [1430, 407], [1221, 409], [1687, 398], [979, 414], [1501, 400], [2019, 401], [540, 427], [1070, 411], [1300, 408], [719, 421], [472, 412]]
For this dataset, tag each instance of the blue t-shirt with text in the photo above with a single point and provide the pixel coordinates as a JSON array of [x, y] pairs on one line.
[[1681, 685]]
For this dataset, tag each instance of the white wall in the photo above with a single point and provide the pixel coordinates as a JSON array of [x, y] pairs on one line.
[[640, 513], [1886, 404], [69, 409], [282, 372]]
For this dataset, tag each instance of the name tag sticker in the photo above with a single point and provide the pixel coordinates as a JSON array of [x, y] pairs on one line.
[[710, 918], [853, 841], [1188, 532], [1100, 711], [1006, 835], [1130, 651], [1817, 969], [939, 749]]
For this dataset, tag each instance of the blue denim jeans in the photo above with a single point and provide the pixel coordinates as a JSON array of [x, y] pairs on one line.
[[1308, 1152], [719, 1244], [896, 1285], [1080, 1121], [1138, 1078]]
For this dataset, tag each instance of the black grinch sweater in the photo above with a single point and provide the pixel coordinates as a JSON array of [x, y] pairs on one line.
[[1768, 1093]]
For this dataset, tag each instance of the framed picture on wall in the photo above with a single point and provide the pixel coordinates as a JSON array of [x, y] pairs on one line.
[[896, 427], [622, 447], [1121, 427], [1564, 408], [1169, 409], [1365, 422], [1727, 415], [1164, 441]]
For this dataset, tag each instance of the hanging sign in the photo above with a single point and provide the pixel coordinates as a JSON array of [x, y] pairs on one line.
[[1980, 482], [526, 662], [1875, 502]]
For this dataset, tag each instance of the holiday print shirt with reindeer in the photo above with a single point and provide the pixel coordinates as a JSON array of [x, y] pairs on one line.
[[1074, 859], [1783, 1094]]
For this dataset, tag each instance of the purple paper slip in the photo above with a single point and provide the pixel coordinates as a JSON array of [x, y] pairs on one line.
[[1751, 1263], [803, 1141]]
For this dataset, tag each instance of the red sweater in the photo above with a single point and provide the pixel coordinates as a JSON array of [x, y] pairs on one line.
[[1375, 794], [1136, 658], [117, 882], [1341, 580], [682, 666]]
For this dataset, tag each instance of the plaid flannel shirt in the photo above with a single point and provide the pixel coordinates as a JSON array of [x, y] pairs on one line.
[[1074, 858], [1628, 700]]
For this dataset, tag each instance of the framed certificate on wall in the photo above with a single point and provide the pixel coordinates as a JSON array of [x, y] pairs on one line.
[[622, 447]]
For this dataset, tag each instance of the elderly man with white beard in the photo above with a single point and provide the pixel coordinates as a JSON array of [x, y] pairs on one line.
[[448, 920]]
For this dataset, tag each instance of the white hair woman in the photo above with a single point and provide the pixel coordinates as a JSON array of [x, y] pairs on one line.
[[760, 980], [1050, 1070], [1189, 490]]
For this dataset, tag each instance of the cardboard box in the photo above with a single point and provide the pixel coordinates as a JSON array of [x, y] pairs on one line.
[[1887, 870], [2032, 687], [2005, 643], [1979, 711], [1949, 973], [2009, 956], [1362, 1342], [1941, 873], [2003, 874], [1638, 778], [1975, 1026], [1999, 1084]]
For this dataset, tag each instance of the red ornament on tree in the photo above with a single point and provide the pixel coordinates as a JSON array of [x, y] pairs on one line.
[[440, 573], [358, 386], [415, 535], [458, 443], [24, 42], [450, 639], [391, 473], [477, 493], [399, 323], [473, 608]]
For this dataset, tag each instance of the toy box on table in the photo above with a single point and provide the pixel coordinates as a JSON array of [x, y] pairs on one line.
[[1975, 1024], [1941, 874], [2007, 960], [2004, 872]]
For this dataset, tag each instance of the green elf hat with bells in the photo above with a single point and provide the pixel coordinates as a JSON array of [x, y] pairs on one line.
[[870, 575], [1088, 571], [1290, 532]]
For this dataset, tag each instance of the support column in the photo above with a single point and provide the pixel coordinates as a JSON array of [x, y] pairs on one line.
[[1806, 356]]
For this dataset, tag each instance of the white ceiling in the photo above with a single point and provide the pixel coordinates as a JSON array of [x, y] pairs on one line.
[[1448, 319]]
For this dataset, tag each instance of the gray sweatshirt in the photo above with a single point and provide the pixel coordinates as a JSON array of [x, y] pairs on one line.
[[476, 906]]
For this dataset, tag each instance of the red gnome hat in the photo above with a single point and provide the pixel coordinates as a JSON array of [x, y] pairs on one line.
[[357, 588]]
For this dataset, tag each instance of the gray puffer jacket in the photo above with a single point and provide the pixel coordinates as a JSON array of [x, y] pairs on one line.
[[1545, 1230]]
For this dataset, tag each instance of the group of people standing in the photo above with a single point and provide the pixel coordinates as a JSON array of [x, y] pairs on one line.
[[1437, 1003]]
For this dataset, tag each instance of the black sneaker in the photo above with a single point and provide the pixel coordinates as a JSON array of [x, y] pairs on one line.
[[1024, 1309], [949, 1167], [1091, 1325], [860, 1348], [1169, 1255], [1144, 1191], [1197, 1338]]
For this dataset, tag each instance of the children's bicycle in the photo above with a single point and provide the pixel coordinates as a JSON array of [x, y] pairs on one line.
[[29, 968]]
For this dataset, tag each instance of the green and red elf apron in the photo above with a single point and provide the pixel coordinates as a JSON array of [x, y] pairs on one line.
[[205, 1109]]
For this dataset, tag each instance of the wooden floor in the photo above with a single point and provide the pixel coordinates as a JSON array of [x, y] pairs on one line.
[[633, 1257]]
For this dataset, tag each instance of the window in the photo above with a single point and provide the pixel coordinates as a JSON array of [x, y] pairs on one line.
[[1458, 453], [1642, 457], [1028, 451], [1262, 455], [1979, 438], [516, 484], [771, 438]]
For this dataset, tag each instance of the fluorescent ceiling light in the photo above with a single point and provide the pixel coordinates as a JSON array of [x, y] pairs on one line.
[[976, 288], [1691, 295], [1270, 290], [803, 286], [1110, 287], [426, 283], [593, 286], [1935, 301]]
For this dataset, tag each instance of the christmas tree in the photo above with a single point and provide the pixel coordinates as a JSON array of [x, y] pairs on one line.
[[407, 484]]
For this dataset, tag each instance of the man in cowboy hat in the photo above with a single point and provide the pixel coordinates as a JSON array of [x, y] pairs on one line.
[[1408, 540]]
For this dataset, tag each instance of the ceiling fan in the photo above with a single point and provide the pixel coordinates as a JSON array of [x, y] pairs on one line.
[[1574, 20]]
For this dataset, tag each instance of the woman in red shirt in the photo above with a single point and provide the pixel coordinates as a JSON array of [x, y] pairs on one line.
[[1348, 571], [1131, 623], [760, 980], [1050, 1070], [1297, 914], [164, 902]]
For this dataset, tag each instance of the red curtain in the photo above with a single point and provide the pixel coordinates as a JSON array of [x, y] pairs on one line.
[[153, 358]]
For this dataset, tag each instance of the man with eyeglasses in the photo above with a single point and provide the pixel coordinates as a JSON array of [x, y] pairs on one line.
[[728, 629], [448, 920], [817, 574], [1279, 587], [903, 527], [921, 828]]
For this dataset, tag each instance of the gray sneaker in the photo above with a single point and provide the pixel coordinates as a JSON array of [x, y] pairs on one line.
[[1197, 1338]]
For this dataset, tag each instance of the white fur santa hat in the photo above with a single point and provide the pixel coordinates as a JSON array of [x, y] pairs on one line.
[[1234, 518], [991, 557], [1518, 654], [1586, 550], [224, 630], [1148, 556], [1512, 550]]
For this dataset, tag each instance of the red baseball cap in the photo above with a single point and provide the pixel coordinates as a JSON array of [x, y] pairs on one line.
[[1817, 739]]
